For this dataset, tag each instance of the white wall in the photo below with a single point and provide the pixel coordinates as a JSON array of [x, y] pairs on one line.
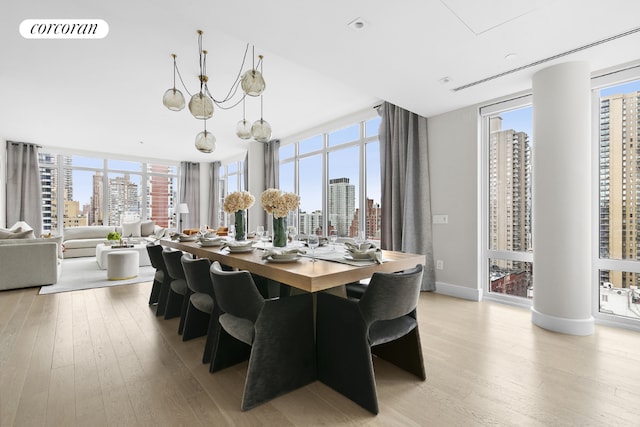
[[3, 185], [453, 163]]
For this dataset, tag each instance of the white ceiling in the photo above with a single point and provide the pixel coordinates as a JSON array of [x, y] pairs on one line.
[[105, 95]]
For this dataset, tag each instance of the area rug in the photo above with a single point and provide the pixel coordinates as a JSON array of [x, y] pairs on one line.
[[83, 273]]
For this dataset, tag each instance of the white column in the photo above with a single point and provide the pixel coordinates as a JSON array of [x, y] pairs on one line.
[[561, 161]]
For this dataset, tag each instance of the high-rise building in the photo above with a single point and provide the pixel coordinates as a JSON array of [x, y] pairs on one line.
[[509, 204], [96, 212], [48, 170], [310, 223], [620, 184], [160, 193], [342, 205], [123, 199]]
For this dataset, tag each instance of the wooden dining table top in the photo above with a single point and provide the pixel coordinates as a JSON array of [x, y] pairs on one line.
[[302, 274]]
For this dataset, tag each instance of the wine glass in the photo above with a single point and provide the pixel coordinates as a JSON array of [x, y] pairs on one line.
[[264, 238], [203, 230], [232, 232], [259, 231], [313, 242], [333, 236]]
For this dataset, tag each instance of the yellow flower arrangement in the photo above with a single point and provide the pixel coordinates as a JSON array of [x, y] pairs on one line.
[[238, 201], [279, 203]]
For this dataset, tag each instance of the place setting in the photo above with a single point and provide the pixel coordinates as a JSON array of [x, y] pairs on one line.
[[283, 256]]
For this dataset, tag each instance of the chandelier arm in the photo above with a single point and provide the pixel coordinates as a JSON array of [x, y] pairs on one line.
[[234, 87], [222, 107], [184, 86]]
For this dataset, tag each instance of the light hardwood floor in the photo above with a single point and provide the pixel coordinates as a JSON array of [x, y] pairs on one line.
[[101, 357]]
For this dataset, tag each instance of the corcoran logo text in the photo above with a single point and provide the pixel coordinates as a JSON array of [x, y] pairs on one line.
[[64, 29]]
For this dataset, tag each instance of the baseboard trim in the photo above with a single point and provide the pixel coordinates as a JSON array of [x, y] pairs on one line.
[[471, 294], [581, 327]]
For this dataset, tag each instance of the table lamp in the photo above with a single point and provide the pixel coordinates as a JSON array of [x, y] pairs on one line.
[[183, 208]]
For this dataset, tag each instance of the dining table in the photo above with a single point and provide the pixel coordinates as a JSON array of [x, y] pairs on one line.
[[329, 271]]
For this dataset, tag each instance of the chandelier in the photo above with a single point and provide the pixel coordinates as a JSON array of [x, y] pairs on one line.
[[201, 104]]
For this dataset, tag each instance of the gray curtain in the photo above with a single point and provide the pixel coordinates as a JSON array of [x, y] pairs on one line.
[[190, 194], [24, 193], [271, 170], [245, 172], [406, 195], [214, 197]]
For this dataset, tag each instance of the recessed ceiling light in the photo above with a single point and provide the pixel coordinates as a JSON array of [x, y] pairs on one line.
[[510, 56], [445, 80], [357, 24]]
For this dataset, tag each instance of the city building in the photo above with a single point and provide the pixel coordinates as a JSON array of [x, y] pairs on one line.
[[342, 205]]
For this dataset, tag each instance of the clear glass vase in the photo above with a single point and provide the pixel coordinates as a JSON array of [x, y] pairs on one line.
[[280, 232], [241, 225]]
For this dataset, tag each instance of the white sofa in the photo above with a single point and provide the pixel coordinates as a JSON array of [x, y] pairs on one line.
[[82, 241], [30, 262]]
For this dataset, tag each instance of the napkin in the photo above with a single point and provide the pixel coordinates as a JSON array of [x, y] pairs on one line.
[[236, 244], [270, 252], [366, 248], [212, 239]]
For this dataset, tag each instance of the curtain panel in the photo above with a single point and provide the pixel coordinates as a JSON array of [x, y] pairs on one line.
[[271, 171], [214, 198], [405, 193], [190, 193], [24, 191]]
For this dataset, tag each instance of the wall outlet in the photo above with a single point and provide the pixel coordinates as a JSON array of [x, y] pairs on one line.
[[439, 264], [440, 219]]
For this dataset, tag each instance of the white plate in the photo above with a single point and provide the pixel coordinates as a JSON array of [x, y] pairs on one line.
[[187, 239], [282, 260], [240, 249], [350, 258]]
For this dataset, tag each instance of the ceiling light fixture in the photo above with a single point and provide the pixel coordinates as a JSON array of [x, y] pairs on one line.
[[201, 104], [357, 24]]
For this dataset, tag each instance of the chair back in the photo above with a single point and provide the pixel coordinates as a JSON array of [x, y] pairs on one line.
[[236, 293], [391, 295], [196, 273], [173, 263], [155, 256]]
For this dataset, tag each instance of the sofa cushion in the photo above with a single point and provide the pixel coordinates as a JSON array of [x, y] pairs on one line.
[[147, 228], [57, 239], [87, 232], [131, 229], [83, 243], [16, 234]]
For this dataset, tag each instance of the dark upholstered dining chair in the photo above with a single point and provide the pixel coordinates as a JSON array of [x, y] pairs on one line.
[[161, 279], [382, 322], [276, 335], [202, 313], [178, 296]]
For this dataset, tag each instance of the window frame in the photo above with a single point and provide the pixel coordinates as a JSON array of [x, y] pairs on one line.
[[143, 173], [514, 102], [361, 119], [613, 78]]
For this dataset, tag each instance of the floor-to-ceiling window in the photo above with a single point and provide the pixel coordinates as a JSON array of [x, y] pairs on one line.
[[616, 105], [92, 190], [337, 175], [507, 230], [231, 179]]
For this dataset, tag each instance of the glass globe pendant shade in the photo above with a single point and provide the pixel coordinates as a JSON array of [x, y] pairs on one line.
[[261, 130], [173, 99], [205, 142], [243, 129], [253, 83], [201, 106]]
